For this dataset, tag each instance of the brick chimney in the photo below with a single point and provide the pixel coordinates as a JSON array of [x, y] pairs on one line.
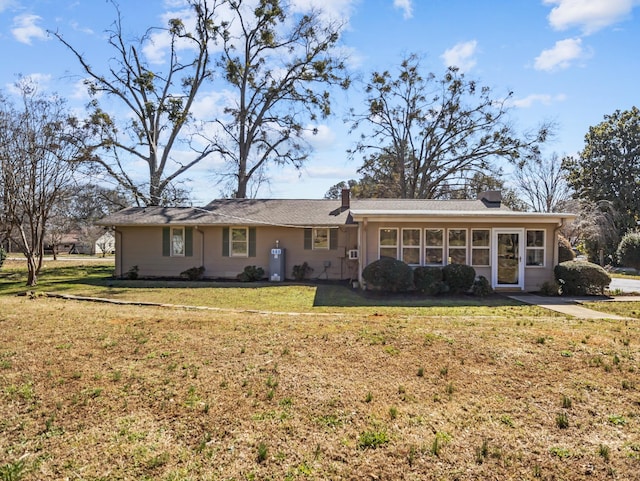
[[346, 199]]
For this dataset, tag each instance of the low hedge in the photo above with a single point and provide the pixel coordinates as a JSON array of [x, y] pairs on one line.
[[428, 280], [390, 275], [459, 277], [578, 278]]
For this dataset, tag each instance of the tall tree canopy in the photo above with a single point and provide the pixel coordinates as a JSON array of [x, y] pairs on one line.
[[39, 142], [542, 183], [423, 133], [158, 103], [608, 168], [280, 66]]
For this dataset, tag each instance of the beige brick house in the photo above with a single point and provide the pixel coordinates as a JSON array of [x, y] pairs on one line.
[[338, 238]]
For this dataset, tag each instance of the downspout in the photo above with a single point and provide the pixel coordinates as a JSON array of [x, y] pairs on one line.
[[118, 270], [201, 245], [556, 255], [362, 245]]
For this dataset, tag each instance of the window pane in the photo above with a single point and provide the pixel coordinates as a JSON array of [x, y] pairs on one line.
[[388, 252], [410, 237], [388, 237], [238, 248], [433, 256], [321, 238], [535, 238], [535, 257], [239, 244], [458, 256], [480, 238], [480, 257], [238, 235], [457, 237], [177, 242], [411, 255], [434, 237]]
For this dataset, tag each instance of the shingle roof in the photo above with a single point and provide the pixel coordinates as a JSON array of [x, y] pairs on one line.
[[289, 212]]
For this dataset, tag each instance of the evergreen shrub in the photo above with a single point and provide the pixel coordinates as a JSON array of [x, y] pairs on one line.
[[389, 275], [578, 278], [428, 280], [459, 277]]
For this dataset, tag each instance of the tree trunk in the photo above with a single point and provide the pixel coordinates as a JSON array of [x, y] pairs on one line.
[[32, 267]]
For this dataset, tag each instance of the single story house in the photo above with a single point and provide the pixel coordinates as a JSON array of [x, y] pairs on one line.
[[338, 238]]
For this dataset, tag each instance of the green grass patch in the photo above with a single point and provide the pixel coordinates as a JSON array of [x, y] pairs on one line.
[[93, 278]]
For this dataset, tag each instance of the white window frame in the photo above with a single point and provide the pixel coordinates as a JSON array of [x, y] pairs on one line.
[[380, 246], [428, 246], [528, 248], [174, 231], [231, 242], [314, 237], [465, 248], [417, 247], [482, 248]]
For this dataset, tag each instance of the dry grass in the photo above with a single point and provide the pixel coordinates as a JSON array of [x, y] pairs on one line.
[[92, 392]]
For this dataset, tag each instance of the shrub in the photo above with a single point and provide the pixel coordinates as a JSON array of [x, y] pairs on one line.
[[428, 280], [193, 273], [251, 274], [565, 251], [581, 278], [481, 287], [549, 288], [3, 256], [459, 277], [132, 274], [388, 274], [628, 253], [301, 271]]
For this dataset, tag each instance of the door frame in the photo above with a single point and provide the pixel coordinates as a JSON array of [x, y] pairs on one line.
[[494, 257]]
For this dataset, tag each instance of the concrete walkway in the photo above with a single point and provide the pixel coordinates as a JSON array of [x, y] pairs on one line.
[[570, 305]]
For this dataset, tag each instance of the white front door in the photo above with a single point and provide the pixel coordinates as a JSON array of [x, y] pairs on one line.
[[508, 268]]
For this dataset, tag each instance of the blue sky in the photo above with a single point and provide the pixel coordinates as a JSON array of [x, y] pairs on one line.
[[567, 61]]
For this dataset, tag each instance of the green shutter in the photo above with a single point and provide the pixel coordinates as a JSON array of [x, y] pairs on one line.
[[307, 238], [252, 241], [166, 241], [333, 239], [225, 242], [188, 241]]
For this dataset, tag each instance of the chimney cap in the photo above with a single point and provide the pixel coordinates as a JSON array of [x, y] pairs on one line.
[[491, 198]]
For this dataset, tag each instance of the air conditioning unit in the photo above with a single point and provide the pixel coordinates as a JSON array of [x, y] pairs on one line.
[[353, 254]]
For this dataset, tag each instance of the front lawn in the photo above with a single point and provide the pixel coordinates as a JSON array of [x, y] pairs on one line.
[[94, 279], [97, 391]]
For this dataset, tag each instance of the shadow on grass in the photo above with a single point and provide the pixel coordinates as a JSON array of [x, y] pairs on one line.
[[339, 295]]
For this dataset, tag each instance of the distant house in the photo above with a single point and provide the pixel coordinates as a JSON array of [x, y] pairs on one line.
[[338, 238]]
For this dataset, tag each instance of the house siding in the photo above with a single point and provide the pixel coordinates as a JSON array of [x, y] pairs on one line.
[[143, 247]]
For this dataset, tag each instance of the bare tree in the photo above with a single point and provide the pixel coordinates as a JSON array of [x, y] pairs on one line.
[[159, 103], [38, 145], [280, 67], [421, 133], [542, 183]]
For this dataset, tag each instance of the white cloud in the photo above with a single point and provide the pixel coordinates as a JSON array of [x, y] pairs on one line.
[[406, 6], [332, 9], [544, 99], [461, 56], [25, 28], [39, 80], [589, 15], [7, 4], [324, 138], [563, 53]]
